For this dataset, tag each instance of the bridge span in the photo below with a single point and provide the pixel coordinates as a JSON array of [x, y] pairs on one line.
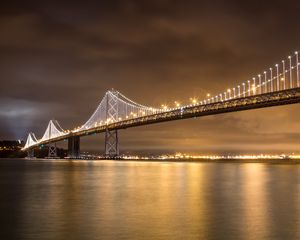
[[116, 111]]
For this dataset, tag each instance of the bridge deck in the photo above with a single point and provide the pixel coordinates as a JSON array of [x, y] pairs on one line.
[[284, 97]]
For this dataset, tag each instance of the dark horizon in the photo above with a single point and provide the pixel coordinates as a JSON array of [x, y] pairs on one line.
[[58, 60]]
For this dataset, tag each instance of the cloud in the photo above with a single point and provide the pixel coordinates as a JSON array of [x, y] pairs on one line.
[[57, 60]]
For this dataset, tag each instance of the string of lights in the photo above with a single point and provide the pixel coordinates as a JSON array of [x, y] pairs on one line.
[[115, 107], [277, 78]]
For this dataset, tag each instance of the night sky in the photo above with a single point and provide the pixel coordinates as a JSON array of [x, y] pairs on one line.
[[58, 59]]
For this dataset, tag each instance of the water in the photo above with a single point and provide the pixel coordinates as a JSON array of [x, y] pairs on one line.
[[58, 199]]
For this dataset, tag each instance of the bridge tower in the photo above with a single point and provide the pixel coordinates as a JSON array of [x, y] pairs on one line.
[[74, 147], [52, 151], [31, 140], [111, 144], [30, 153], [111, 136], [53, 130]]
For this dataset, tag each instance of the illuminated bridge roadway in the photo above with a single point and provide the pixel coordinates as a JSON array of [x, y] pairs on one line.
[[278, 86]]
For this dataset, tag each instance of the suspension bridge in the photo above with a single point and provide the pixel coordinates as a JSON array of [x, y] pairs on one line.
[[279, 85]]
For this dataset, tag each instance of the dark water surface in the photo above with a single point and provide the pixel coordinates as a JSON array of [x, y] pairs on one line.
[[62, 199]]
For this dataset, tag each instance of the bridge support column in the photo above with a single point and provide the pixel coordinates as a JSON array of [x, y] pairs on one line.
[[52, 153], [111, 144], [74, 147], [30, 153]]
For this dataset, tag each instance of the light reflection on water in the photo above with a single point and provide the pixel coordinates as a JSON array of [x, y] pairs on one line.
[[48, 199]]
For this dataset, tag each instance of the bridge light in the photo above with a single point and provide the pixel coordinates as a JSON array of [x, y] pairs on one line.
[[297, 69], [234, 93], [229, 93], [277, 77], [291, 73], [254, 86], [259, 83], [177, 104], [164, 107], [266, 87], [283, 72], [249, 88], [244, 89], [194, 100]]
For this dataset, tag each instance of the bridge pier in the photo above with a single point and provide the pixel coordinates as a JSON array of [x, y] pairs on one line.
[[52, 151], [30, 153], [74, 147], [111, 144]]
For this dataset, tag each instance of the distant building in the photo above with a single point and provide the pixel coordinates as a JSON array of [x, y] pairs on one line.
[[11, 149]]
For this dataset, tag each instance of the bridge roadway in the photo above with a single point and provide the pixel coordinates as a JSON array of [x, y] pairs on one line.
[[289, 96]]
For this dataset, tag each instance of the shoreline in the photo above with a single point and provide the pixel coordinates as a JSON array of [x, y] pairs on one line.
[[268, 161], [272, 161]]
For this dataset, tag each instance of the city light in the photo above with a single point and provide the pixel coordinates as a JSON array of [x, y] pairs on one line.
[[213, 157]]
